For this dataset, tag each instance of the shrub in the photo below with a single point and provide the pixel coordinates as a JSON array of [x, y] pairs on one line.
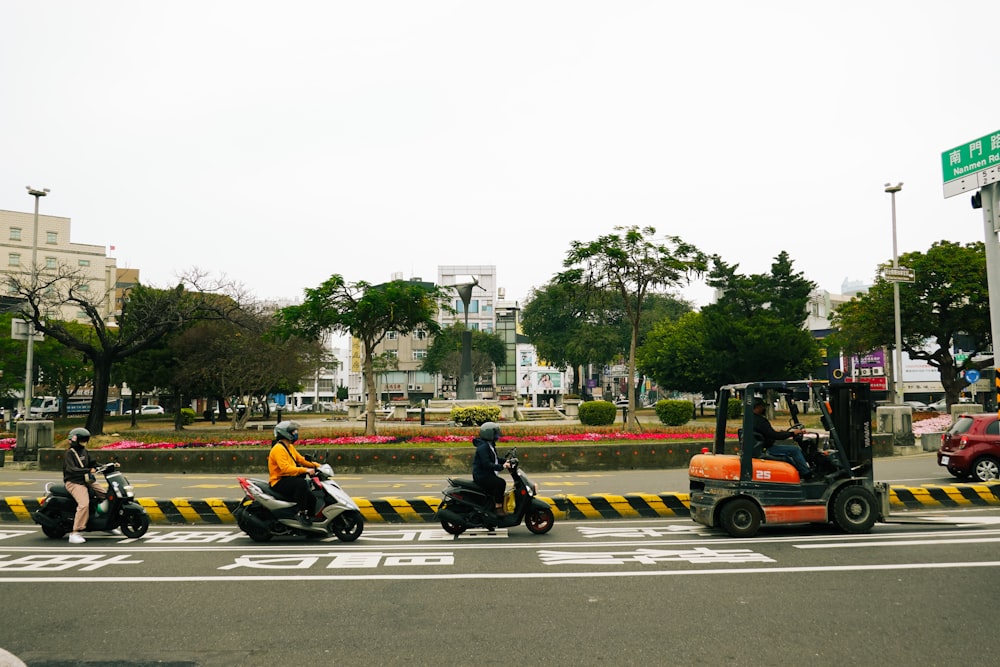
[[597, 413], [475, 415], [674, 413], [187, 416], [735, 409]]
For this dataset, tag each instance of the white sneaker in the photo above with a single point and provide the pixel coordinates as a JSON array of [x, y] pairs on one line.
[[114, 531], [76, 538]]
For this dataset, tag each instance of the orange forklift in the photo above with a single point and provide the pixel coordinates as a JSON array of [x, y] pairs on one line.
[[742, 491]]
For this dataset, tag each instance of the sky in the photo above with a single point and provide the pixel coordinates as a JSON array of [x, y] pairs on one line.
[[276, 144]]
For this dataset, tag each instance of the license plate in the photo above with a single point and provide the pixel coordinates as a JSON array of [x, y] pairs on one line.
[[944, 460]]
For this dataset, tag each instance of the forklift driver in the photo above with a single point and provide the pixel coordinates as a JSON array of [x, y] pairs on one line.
[[762, 427]]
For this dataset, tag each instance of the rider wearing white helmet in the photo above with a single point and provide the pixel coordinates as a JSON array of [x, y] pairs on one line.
[[286, 468]]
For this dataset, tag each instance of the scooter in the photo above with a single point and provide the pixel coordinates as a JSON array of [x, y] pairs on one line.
[[466, 505], [119, 510], [263, 513]]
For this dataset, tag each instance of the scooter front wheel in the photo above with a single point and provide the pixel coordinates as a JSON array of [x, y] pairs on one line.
[[135, 524], [539, 520], [348, 526]]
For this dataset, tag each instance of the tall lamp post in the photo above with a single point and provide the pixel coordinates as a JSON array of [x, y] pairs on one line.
[[28, 380], [898, 356]]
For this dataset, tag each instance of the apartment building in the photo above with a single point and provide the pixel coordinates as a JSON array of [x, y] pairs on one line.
[[53, 250]]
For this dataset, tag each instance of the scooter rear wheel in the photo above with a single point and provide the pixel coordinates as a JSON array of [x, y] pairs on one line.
[[448, 526], [54, 533]]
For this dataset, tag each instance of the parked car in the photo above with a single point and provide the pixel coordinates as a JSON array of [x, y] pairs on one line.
[[151, 410], [916, 406], [708, 404], [971, 447]]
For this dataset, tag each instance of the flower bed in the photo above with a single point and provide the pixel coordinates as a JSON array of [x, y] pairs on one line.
[[421, 440]]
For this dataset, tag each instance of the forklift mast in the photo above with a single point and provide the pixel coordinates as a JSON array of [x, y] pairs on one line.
[[849, 421]]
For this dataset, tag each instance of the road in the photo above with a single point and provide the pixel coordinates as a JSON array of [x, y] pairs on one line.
[[636, 592], [905, 470]]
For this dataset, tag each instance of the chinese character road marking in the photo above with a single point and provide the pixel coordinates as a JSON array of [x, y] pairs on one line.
[[7, 534], [622, 531], [339, 561], [698, 556], [59, 562]]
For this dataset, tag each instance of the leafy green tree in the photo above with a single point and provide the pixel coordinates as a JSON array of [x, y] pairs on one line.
[[445, 353], [633, 263], [572, 326], [366, 312], [60, 370], [948, 298], [755, 331], [676, 355]]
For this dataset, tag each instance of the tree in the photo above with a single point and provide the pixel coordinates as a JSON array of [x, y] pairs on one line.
[[754, 331], [676, 355], [147, 315], [631, 263], [366, 312], [948, 298], [572, 326], [445, 353]]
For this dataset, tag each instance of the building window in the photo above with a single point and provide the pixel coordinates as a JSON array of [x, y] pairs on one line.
[[392, 353], [51, 238], [15, 233], [50, 262], [14, 259], [84, 262], [391, 335], [83, 287], [421, 334], [419, 354]]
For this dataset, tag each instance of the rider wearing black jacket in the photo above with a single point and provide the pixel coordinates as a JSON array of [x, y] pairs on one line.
[[486, 464]]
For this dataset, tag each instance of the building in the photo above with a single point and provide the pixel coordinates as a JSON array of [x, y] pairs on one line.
[[54, 251], [402, 356]]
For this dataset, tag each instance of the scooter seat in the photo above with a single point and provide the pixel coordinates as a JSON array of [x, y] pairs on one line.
[[266, 488], [465, 483]]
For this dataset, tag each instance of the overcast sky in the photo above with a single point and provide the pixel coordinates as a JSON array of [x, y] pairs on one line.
[[280, 143]]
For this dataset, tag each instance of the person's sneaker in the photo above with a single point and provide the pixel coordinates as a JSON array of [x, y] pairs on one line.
[[114, 531], [76, 538]]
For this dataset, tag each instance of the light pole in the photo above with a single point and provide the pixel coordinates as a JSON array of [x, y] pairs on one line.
[[28, 381], [898, 356]]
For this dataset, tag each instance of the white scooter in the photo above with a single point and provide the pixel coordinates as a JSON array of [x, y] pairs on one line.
[[263, 513]]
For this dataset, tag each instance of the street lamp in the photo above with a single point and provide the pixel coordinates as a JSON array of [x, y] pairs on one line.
[[898, 357], [28, 382]]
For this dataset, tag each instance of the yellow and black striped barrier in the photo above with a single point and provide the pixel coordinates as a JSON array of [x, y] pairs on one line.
[[422, 509]]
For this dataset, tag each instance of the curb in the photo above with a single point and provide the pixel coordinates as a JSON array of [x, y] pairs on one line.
[[422, 509]]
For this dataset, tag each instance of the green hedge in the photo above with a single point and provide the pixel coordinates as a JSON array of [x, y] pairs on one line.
[[735, 409], [598, 413], [673, 412], [475, 415]]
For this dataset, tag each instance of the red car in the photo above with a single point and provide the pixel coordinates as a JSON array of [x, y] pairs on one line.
[[971, 447]]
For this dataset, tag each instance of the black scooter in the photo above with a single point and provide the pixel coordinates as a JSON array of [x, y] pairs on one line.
[[466, 505], [58, 507]]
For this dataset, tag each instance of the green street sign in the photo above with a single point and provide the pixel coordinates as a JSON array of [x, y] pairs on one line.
[[971, 165]]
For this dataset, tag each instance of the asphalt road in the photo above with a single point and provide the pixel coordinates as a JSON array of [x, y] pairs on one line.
[[636, 592], [908, 470]]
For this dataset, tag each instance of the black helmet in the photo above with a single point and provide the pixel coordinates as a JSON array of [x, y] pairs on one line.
[[79, 436], [490, 431], [288, 430]]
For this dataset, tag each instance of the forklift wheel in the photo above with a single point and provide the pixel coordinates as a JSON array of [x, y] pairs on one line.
[[740, 517], [854, 509]]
